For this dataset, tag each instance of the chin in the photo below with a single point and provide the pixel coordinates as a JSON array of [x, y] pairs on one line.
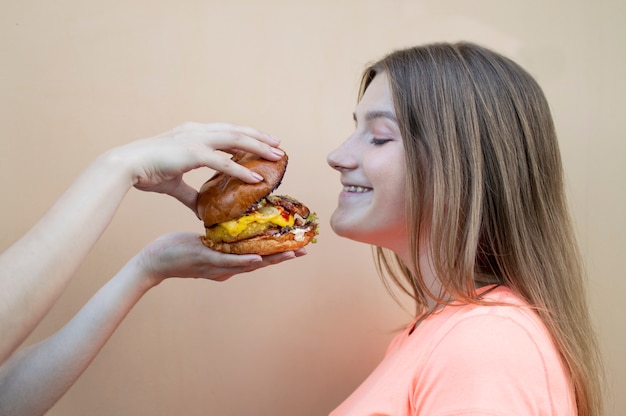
[[387, 235]]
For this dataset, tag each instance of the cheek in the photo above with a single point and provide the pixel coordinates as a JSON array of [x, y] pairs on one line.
[[388, 177]]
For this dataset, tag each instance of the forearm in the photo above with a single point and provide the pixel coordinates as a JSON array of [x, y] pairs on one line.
[[36, 377], [35, 270]]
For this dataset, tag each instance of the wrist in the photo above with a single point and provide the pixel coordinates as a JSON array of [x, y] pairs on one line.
[[145, 275], [117, 162]]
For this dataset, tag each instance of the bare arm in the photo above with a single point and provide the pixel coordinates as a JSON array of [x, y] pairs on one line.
[[34, 378], [35, 270]]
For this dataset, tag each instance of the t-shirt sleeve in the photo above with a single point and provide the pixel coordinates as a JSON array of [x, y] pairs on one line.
[[485, 365]]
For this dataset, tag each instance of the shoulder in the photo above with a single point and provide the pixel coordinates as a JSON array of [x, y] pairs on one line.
[[494, 357], [509, 335]]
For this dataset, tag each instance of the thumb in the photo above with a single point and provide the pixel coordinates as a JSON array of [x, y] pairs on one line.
[[185, 194]]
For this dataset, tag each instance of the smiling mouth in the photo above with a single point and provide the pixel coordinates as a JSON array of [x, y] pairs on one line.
[[356, 189]]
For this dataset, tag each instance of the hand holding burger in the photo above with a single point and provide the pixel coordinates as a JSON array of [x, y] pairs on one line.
[[242, 218]]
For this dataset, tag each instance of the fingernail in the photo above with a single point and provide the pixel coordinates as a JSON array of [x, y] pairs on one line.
[[277, 151], [276, 140], [256, 176], [286, 256]]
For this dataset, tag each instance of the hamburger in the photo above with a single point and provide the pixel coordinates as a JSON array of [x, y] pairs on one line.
[[243, 218]]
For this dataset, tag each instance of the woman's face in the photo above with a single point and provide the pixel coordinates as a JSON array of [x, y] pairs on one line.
[[371, 206]]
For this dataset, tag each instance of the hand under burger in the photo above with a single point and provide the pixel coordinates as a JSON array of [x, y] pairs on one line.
[[182, 254]]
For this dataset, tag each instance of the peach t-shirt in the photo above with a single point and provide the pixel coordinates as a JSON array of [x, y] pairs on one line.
[[468, 360]]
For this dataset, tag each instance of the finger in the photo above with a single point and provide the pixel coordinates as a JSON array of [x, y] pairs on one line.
[[187, 195], [267, 261], [226, 135], [233, 260], [229, 137], [251, 261], [279, 257], [248, 131], [230, 167], [232, 142]]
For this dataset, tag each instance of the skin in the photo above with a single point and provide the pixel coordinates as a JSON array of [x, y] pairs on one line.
[[62, 238], [370, 207], [371, 161], [34, 378]]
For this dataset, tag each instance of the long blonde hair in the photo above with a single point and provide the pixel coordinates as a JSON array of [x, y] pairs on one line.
[[485, 182]]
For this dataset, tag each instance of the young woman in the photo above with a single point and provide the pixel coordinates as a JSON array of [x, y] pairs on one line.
[[453, 172]]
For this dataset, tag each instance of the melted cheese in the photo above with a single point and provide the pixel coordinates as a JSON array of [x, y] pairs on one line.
[[266, 215]]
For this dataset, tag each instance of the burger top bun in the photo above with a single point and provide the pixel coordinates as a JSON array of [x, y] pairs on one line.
[[225, 197]]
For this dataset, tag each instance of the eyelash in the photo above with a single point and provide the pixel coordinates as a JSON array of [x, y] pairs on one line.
[[379, 142]]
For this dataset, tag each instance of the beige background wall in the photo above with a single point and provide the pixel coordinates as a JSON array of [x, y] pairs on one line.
[[77, 78]]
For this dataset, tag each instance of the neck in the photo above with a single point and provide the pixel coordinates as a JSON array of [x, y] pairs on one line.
[[426, 271]]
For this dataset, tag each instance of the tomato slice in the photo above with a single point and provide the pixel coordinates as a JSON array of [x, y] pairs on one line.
[[285, 214]]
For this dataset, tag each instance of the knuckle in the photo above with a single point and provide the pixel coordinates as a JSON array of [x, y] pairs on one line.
[[238, 137], [187, 125], [225, 164]]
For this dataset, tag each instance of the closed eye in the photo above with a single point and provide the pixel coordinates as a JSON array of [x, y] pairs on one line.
[[379, 142]]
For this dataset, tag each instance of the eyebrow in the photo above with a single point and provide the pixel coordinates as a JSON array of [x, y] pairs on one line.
[[371, 115]]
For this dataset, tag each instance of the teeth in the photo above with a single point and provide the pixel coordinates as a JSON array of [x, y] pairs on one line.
[[357, 189]]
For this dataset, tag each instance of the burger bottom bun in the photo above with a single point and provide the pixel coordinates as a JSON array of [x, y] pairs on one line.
[[263, 244]]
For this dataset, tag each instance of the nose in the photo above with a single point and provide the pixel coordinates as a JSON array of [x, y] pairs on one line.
[[341, 159]]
